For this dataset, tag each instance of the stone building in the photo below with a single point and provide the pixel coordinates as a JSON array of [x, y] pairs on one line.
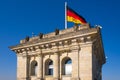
[[72, 54]]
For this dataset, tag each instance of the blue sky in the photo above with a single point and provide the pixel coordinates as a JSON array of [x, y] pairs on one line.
[[19, 18]]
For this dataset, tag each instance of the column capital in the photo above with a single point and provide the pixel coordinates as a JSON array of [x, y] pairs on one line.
[[40, 55], [24, 53], [38, 50], [85, 44], [21, 52], [75, 47], [56, 53]]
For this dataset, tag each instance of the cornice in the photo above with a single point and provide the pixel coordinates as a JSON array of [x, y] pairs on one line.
[[59, 38]]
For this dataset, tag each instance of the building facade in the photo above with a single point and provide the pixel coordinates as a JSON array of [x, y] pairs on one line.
[[72, 54]]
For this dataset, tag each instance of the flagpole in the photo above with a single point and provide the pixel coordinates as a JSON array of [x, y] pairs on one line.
[[65, 15]]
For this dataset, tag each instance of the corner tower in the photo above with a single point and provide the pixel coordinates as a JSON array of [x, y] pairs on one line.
[[72, 54]]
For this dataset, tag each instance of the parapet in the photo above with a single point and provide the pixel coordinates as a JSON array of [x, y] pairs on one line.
[[53, 34]]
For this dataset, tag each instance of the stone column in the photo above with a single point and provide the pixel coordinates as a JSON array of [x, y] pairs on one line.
[[40, 67], [40, 63], [56, 67], [75, 60], [75, 65], [85, 59], [22, 66]]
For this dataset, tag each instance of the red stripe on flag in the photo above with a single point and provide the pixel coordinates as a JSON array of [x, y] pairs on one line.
[[72, 14]]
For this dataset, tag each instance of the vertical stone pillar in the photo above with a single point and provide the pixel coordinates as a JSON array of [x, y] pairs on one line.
[[40, 63], [40, 67], [22, 66], [85, 59], [56, 67], [75, 65], [75, 60]]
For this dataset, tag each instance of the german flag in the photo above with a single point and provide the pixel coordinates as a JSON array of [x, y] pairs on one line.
[[72, 16]]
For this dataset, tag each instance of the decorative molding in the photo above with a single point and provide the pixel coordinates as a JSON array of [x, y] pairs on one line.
[[61, 37]]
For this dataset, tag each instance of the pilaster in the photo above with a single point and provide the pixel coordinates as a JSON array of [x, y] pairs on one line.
[[85, 64], [75, 60], [22, 66], [56, 67], [40, 63], [40, 67]]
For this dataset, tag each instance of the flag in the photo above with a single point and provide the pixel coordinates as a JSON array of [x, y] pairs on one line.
[[72, 16]]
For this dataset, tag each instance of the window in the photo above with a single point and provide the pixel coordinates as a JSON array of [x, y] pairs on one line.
[[49, 67], [67, 66], [34, 68]]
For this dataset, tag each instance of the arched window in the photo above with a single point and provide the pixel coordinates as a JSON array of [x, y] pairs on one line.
[[67, 66], [49, 67], [34, 68]]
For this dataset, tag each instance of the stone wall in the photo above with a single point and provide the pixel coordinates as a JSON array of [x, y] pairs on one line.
[[83, 45]]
